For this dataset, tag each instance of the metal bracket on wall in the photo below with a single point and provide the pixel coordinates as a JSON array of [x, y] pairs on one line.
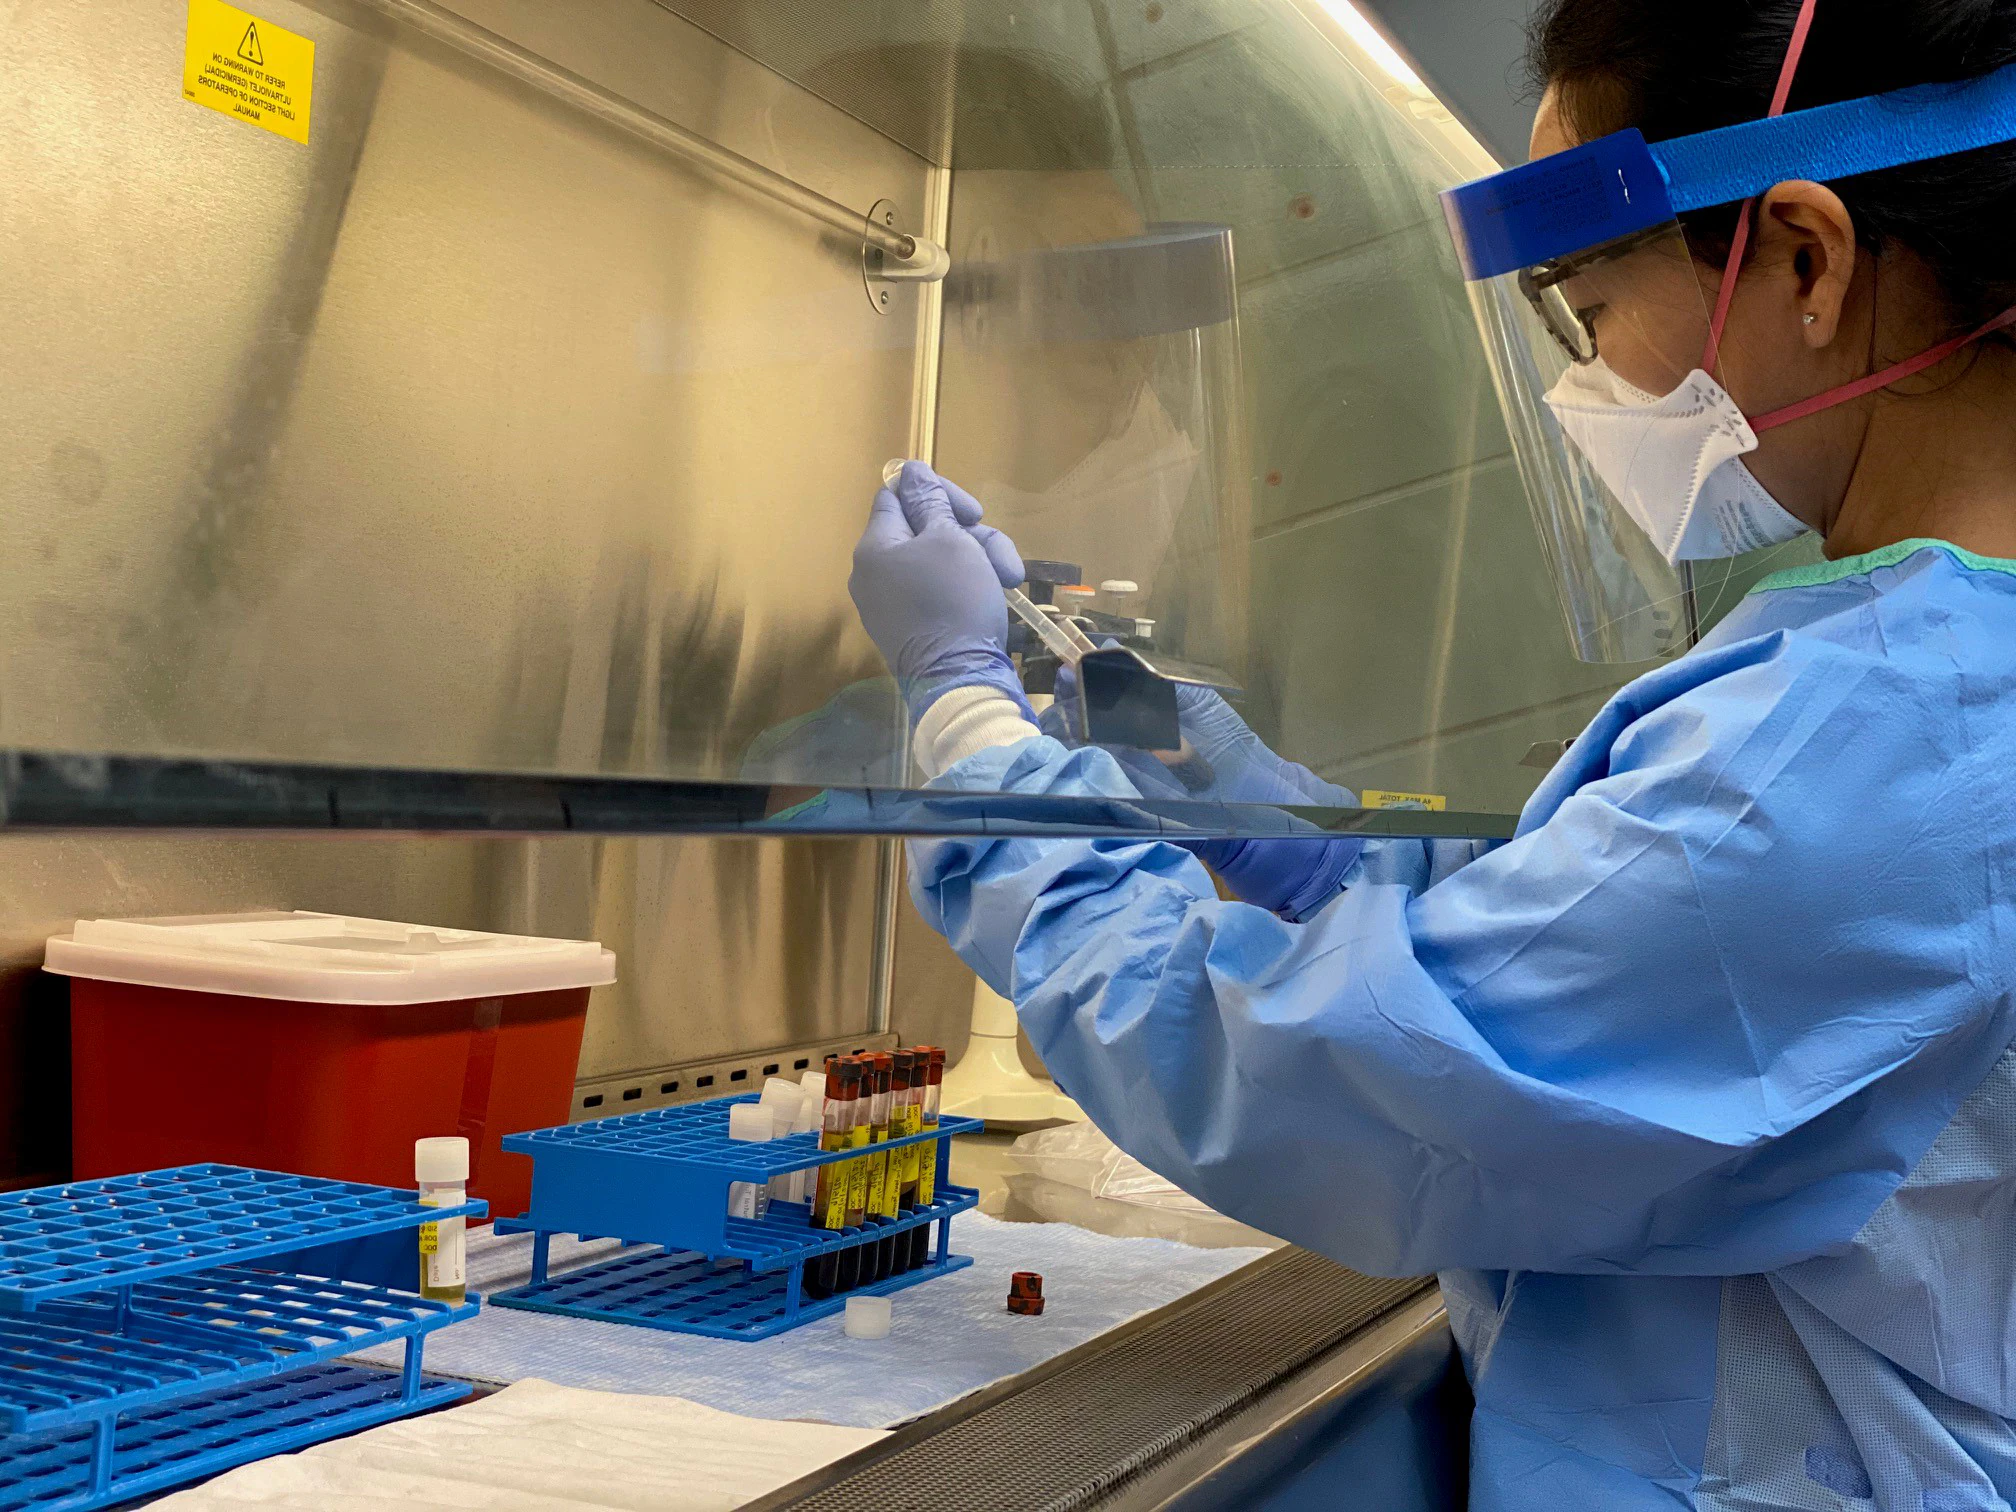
[[717, 1076], [881, 274]]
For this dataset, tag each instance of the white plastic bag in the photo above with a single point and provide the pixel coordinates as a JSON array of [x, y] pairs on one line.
[[1078, 1155]]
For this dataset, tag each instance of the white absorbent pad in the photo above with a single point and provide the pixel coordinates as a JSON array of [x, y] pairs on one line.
[[952, 1334], [537, 1447]]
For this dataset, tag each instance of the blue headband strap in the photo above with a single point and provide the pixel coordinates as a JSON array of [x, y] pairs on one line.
[[1831, 142], [1617, 185]]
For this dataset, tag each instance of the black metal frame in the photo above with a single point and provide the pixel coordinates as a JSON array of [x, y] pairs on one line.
[[55, 791]]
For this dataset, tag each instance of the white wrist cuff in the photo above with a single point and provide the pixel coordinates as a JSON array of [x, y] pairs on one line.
[[964, 721]]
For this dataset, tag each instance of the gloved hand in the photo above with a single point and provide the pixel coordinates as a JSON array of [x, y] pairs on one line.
[[927, 584], [1224, 761]]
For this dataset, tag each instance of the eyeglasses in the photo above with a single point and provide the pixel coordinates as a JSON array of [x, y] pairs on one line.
[[1573, 326]]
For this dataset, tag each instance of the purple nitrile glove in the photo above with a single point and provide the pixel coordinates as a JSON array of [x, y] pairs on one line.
[[1225, 762], [927, 584]]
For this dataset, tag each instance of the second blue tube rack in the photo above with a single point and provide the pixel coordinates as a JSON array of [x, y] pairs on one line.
[[154, 1328], [661, 1177]]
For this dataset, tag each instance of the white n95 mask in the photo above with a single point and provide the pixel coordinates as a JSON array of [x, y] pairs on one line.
[[1673, 463]]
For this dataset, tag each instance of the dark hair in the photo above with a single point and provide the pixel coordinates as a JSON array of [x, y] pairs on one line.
[[1672, 71]]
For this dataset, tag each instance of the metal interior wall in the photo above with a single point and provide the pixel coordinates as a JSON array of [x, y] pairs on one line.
[[463, 435]]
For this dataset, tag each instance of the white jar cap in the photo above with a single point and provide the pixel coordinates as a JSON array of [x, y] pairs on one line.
[[750, 1123], [782, 1098], [443, 1159], [868, 1317], [1119, 585]]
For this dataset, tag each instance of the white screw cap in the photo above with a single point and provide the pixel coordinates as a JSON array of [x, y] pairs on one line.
[[782, 1098], [868, 1317], [443, 1159], [751, 1123]]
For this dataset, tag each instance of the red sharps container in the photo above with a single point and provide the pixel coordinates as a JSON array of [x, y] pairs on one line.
[[319, 1045]]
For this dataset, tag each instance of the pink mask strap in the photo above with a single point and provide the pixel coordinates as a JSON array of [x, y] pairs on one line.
[[1801, 30], [1861, 386]]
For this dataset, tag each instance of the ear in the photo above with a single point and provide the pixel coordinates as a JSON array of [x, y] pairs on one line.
[[1804, 229]]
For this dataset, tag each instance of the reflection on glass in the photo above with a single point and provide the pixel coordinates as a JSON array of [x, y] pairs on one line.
[[476, 435]]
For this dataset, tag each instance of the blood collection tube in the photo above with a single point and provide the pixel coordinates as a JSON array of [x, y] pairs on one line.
[[875, 1257], [895, 1071], [829, 1197], [906, 1118], [851, 1258], [913, 1123], [927, 1168]]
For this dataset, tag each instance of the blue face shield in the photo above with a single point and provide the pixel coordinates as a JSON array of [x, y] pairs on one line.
[[1603, 335]]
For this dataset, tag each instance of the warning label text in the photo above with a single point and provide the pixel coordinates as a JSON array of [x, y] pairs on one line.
[[249, 68]]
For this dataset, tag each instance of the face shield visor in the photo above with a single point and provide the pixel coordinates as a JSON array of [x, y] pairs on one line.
[[1575, 336], [1600, 329]]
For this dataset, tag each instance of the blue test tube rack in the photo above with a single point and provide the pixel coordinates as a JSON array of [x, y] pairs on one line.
[[660, 1178], [158, 1328]]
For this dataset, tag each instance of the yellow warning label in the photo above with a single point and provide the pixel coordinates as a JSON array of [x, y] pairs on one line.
[[248, 68], [1433, 802]]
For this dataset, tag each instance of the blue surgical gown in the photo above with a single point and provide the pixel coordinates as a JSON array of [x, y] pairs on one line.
[[1699, 1092]]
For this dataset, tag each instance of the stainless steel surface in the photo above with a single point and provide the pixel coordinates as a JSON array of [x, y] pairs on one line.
[[464, 436], [591, 99], [1398, 1366], [724, 948], [1069, 1433], [714, 1076]]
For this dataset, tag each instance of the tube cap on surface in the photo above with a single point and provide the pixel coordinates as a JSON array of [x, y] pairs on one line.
[[441, 1159], [751, 1123], [868, 1317]]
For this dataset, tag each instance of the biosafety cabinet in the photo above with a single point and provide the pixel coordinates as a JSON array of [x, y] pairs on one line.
[[449, 422], [499, 386], [454, 417]]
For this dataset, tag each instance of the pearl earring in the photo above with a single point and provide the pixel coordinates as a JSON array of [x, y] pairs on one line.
[[1812, 319]]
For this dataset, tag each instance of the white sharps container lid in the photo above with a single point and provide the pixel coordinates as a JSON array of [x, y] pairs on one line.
[[323, 958]]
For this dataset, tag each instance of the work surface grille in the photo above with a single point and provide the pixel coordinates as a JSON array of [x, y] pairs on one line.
[[1109, 1413]]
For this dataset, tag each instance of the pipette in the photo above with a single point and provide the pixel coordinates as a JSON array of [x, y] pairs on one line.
[[1060, 637]]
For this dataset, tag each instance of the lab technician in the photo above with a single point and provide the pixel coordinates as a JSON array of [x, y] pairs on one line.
[[1699, 1093]]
